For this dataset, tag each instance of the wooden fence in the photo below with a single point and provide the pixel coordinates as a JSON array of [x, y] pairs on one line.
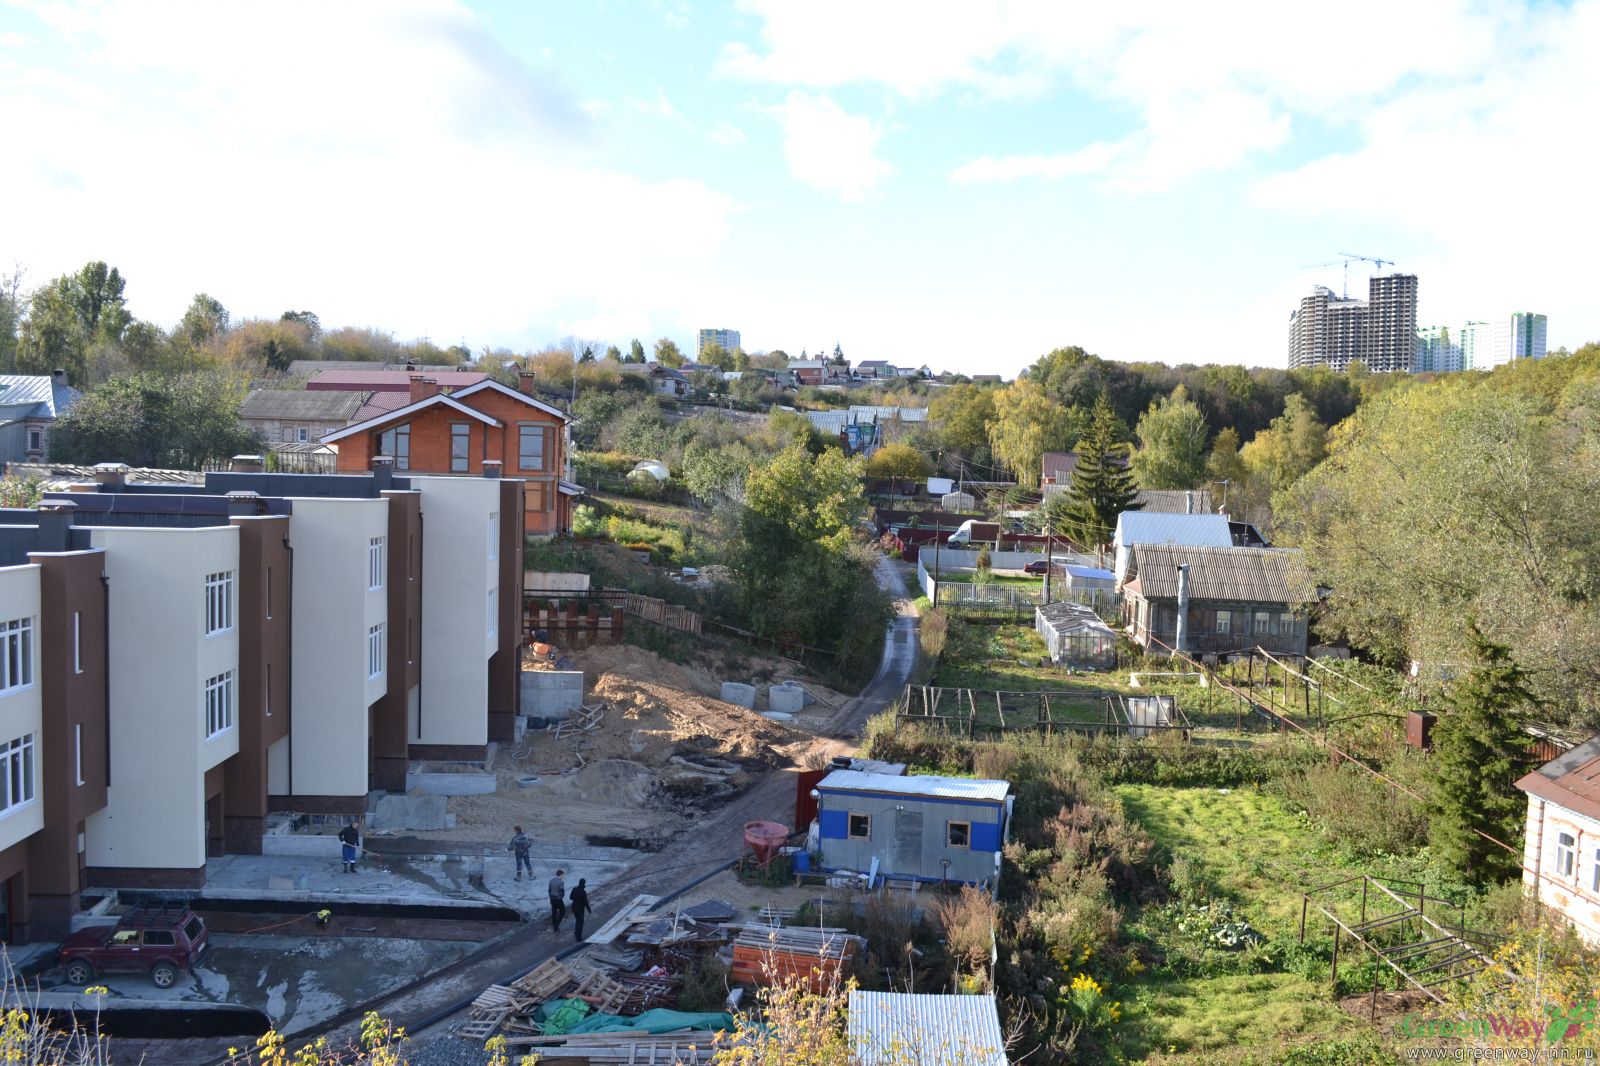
[[975, 712]]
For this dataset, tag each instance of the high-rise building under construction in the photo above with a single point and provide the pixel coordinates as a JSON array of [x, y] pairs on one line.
[[1335, 331]]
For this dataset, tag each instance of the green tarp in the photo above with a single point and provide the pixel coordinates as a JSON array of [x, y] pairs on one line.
[[560, 1015], [653, 1021]]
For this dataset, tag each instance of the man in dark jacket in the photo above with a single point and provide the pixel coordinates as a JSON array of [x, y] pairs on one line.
[[350, 847], [558, 903], [580, 907], [521, 846]]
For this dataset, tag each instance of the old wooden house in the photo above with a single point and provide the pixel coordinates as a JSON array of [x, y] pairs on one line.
[[1233, 598]]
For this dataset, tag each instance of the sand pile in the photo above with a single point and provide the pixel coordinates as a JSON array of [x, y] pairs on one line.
[[649, 723]]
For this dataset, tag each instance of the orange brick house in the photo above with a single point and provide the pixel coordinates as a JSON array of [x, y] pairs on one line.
[[456, 432]]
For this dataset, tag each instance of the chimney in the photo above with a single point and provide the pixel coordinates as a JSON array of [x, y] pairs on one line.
[[525, 380], [1188, 502], [247, 464], [382, 474], [111, 476], [422, 387], [58, 376], [1180, 639], [55, 522], [243, 503], [492, 468]]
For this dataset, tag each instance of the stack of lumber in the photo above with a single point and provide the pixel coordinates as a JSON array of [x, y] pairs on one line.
[[763, 954], [512, 1006], [637, 909], [662, 1049]]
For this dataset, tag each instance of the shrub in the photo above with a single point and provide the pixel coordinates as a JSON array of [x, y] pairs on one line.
[[968, 920], [1354, 809], [705, 985]]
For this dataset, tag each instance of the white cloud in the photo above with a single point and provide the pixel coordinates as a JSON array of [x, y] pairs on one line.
[[659, 107], [727, 134], [828, 148], [396, 167]]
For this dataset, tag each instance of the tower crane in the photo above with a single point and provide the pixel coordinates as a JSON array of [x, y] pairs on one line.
[[1346, 261]]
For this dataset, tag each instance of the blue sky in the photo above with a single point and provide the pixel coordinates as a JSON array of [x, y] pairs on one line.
[[960, 184]]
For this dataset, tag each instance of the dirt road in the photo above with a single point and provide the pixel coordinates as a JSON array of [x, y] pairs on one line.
[[697, 853]]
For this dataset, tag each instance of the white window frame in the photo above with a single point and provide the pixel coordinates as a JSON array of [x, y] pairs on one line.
[[1594, 873], [219, 602], [1566, 853], [494, 535], [462, 431], [377, 652], [16, 655], [494, 611], [77, 642], [18, 782], [377, 562], [219, 704], [302, 434], [1224, 622]]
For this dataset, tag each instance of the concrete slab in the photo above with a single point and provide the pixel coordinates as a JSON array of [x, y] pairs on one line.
[[414, 812], [448, 785], [551, 694]]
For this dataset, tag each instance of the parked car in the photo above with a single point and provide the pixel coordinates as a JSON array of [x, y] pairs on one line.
[[159, 941], [1038, 566]]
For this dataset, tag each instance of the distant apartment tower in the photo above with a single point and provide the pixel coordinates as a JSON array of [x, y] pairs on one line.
[[1520, 335], [724, 338], [1476, 340], [1482, 345], [1438, 351], [1380, 331]]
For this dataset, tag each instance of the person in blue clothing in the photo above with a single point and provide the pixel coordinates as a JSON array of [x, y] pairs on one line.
[[350, 846]]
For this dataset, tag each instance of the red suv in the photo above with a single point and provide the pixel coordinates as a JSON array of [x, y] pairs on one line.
[[159, 941]]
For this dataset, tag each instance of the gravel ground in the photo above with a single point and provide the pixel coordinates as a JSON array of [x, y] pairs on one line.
[[448, 1051]]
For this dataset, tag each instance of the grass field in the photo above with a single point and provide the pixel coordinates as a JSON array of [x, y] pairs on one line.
[[967, 577], [993, 657]]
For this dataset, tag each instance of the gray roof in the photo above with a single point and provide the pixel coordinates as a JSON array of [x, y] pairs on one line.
[[930, 1030], [1156, 527], [903, 414], [1068, 615], [965, 788], [1175, 501], [37, 396], [319, 405], [59, 477], [1241, 575]]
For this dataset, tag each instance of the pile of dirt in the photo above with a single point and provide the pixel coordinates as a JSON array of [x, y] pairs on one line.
[[650, 722]]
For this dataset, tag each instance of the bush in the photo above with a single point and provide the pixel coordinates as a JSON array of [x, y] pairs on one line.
[[1354, 809], [968, 921]]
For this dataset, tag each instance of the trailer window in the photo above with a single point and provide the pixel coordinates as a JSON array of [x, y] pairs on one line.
[[860, 826], [958, 834]]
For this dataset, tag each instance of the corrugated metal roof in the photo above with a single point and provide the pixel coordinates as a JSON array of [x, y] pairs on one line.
[[381, 403], [942, 787], [325, 406], [59, 477], [35, 395], [1094, 573], [1249, 575], [887, 1028], [1198, 530], [1175, 501]]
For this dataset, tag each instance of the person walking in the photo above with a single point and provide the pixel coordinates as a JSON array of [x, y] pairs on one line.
[[558, 904], [521, 846], [350, 846], [580, 907]]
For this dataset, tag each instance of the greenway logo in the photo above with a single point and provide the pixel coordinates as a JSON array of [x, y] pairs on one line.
[[1559, 1024]]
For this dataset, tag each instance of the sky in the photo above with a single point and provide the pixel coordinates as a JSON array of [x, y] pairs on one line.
[[966, 185]]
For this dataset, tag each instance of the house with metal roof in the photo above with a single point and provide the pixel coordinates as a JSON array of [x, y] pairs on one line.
[[1175, 501], [891, 1028], [664, 380], [1144, 527], [299, 416], [920, 829], [1216, 600], [29, 406], [1561, 846]]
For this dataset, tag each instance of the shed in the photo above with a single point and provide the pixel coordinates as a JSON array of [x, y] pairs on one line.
[[1146, 527], [925, 829], [887, 1028], [1091, 578], [957, 501], [1076, 636], [654, 467]]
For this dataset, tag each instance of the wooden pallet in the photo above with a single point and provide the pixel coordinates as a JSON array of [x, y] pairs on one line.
[[495, 998], [545, 981], [777, 915], [622, 920], [480, 1029]]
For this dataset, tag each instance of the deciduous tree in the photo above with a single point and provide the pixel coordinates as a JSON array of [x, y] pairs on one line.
[[1026, 424], [177, 421], [667, 353], [899, 461], [1172, 444]]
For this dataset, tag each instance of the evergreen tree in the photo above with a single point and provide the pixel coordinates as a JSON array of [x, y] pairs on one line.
[[1102, 485], [635, 351], [1479, 752]]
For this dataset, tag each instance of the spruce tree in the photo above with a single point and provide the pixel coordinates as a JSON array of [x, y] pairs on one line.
[[1480, 749], [1102, 485]]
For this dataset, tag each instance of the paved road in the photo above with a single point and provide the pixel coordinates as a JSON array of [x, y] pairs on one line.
[[697, 853]]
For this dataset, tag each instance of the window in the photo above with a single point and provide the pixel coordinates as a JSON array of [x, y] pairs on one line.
[[375, 651], [77, 749], [219, 704], [16, 654], [531, 442], [35, 439], [1286, 624], [396, 443], [1263, 622], [219, 602], [958, 834], [192, 929], [377, 561], [460, 439], [494, 610], [494, 535], [860, 826], [302, 434], [16, 773], [77, 642], [1224, 622], [538, 496], [1566, 854], [160, 938], [1594, 874]]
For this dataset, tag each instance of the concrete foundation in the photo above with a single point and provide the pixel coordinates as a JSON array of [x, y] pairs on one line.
[[551, 693], [413, 812], [787, 698], [743, 695], [311, 846], [451, 784]]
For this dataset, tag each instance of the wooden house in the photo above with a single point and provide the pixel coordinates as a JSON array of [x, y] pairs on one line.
[[1238, 598]]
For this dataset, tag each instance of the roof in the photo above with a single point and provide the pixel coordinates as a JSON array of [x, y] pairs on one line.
[[299, 403], [872, 362], [1199, 530], [931, 1030], [1570, 780], [38, 396], [409, 409], [1067, 615], [59, 477], [379, 403], [1090, 573], [890, 413], [805, 364], [964, 788], [1247, 575], [652, 369], [1058, 465], [393, 380], [1175, 501], [310, 368]]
